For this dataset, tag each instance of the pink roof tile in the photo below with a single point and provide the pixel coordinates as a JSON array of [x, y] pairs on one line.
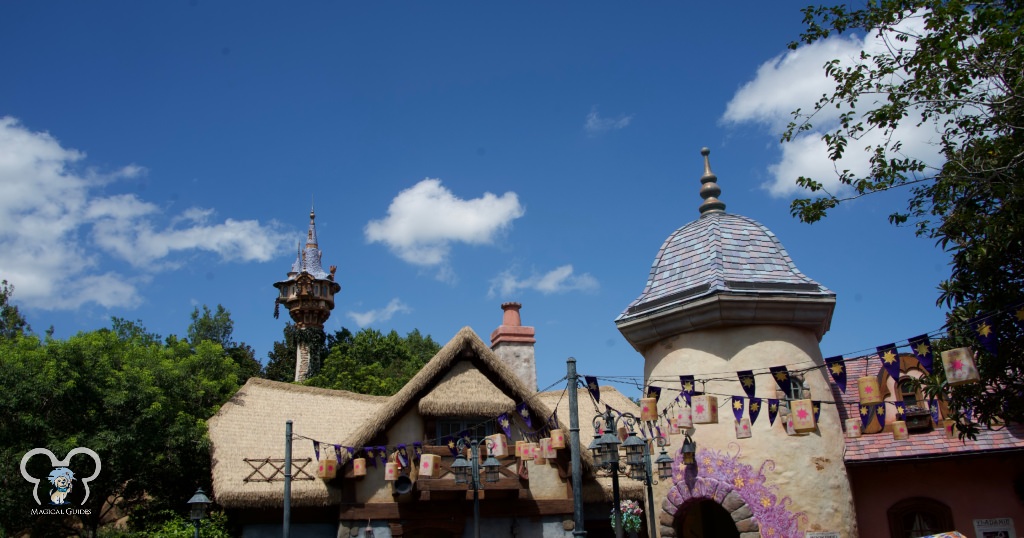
[[882, 446]]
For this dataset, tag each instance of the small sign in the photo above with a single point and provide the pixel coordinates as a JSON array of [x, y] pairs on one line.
[[996, 527], [822, 534]]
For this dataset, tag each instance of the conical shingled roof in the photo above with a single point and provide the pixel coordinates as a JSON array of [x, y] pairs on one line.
[[308, 259], [722, 256], [720, 252]]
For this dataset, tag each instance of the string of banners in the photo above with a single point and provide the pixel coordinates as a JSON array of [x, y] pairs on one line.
[[541, 443], [702, 408]]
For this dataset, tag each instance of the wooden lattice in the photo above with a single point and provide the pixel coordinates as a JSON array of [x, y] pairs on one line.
[[276, 469]]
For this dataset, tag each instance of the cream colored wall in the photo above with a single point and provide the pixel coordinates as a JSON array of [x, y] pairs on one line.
[[545, 482], [808, 468], [373, 488]]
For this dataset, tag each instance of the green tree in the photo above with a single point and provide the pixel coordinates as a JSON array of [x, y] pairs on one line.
[[218, 327], [371, 362], [213, 326], [140, 404], [964, 73], [12, 323]]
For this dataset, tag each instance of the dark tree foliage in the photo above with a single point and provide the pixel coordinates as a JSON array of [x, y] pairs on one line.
[[142, 405], [963, 73], [11, 321], [371, 362], [218, 327]]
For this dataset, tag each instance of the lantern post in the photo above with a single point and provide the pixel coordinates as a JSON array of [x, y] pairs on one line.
[[605, 449], [469, 472], [198, 503]]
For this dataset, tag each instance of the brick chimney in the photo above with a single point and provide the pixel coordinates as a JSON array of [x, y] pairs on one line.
[[513, 344]]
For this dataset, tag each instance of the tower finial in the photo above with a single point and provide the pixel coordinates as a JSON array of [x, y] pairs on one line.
[[311, 241], [709, 189]]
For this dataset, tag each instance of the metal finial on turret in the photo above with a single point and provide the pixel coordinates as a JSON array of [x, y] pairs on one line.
[[709, 189]]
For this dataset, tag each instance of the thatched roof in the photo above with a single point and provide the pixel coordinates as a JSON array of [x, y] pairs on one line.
[[465, 391], [251, 425], [464, 348], [465, 378]]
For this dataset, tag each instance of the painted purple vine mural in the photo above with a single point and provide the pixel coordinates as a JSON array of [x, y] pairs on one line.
[[721, 477]]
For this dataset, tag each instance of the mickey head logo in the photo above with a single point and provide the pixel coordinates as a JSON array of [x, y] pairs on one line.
[[61, 463]]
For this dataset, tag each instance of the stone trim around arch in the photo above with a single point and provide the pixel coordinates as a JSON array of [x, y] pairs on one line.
[[757, 507], [681, 496]]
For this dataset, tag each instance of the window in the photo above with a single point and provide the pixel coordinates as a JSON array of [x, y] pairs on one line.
[[797, 389], [908, 392], [452, 427], [919, 516]]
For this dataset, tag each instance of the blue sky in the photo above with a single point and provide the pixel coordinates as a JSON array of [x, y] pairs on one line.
[[159, 156]]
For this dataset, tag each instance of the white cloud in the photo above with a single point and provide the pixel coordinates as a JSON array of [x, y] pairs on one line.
[[369, 317], [58, 228], [596, 125], [797, 79], [424, 220], [558, 280]]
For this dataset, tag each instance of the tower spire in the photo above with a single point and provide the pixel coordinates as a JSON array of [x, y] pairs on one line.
[[311, 234], [709, 189]]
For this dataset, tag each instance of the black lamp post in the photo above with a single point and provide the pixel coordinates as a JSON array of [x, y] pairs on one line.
[[198, 502], [605, 449], [469, 472]]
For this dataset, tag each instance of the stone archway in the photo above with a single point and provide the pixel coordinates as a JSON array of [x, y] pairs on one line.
[[682, 496], [755, 506]]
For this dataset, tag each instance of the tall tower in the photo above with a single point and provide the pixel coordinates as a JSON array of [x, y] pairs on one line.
[[308, 294], [723, 296]]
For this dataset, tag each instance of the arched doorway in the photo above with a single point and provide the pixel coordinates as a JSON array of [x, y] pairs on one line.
[[705, 519]]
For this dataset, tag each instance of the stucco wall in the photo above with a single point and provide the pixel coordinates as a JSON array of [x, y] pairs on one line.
[[809, 468], [545, 483], [373, 487], [974, 487]]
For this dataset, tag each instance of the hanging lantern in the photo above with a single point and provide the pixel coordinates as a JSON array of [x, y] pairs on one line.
[[546, 450], [673, 427], [497, 445], [461, 468], [689, 451], [492, 469], [705, 409], [596, 449], [867, 389], [328, 467], [634, 449], [430, 465], [519, 449], [648, 409], [959, 365], [899, 430], [538, 453], [802, 415], [557, 438], [664, 463], [390, 471], [664, 439], [790, 430], [743, 428], [359, 467], [684, 417], [853, 428]]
